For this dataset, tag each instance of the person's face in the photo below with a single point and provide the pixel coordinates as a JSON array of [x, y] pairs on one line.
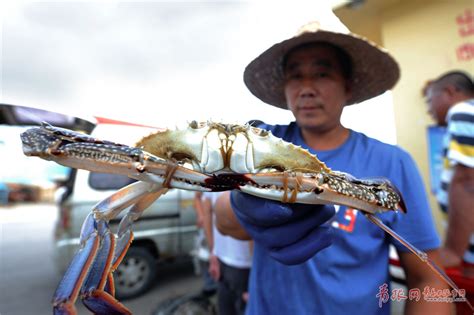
[[315, 88], [438, 102]]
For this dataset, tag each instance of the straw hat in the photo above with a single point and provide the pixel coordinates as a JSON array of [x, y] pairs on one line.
[[374, 71]]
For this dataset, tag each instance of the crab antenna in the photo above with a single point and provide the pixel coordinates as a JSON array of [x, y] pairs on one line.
[[45, 124], [420, 254]]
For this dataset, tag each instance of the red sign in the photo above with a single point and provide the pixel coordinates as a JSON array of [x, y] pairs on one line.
[[465, 22]]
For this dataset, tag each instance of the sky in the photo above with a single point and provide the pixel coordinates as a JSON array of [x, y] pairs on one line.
[[155, 62]]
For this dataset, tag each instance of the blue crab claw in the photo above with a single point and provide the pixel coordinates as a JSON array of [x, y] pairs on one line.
[[367, 195], [89, 273], [382, 187]]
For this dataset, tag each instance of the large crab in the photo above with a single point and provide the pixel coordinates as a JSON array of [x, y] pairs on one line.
[[202, 157]]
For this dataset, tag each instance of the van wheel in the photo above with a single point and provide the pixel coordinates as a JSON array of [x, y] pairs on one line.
[[135, 274]]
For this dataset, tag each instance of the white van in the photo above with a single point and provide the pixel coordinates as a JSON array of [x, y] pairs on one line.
[[166, 230]]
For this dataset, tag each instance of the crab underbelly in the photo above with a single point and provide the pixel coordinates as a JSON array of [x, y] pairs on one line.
[[324, 196], [126, 169]]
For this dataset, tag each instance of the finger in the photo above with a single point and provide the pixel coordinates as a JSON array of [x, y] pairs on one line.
[[259, 211], [305, 248], [294, 230], [324, 212]]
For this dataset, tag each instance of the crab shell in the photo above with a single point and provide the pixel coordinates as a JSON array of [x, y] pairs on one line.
[[214, 147], [273, 168]]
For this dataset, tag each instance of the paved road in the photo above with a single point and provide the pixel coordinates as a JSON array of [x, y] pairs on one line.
[[28, 277]]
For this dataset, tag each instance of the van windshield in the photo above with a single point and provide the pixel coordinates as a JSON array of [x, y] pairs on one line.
[[104, 181]]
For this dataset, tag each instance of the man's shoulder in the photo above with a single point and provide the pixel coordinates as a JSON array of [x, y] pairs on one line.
[[462, 111], [461, 119]]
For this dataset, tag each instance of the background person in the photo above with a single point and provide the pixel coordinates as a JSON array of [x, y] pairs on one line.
[[315, 74], [229, 263], [450, 100], [203, 251]]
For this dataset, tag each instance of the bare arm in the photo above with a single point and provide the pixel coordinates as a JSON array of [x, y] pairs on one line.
[[197, 202], [207, 222], [461, 214], [204, 217], [419, 276], [226, 221]]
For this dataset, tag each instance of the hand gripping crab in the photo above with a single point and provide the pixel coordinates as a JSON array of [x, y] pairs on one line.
[[201, 157]]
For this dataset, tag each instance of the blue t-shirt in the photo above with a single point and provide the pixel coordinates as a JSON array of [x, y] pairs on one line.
[[345, 277]]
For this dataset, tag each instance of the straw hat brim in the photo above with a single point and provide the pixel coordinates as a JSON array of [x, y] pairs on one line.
[[374, 70]]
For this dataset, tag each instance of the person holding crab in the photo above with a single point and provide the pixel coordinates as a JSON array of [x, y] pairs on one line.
[[309, 259]]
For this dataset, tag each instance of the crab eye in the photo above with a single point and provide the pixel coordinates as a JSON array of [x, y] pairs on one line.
[[271, 168], [181, 157], [259, 132], [196, 124]]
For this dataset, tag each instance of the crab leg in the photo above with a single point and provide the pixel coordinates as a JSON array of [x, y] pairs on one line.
[[94, 297], [125, 234], [87, 270], [111, 206], [92, 293], [420, 254], [68, 289], [93, 263], [372, 196]]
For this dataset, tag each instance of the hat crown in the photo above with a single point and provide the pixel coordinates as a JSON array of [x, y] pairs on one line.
[[310, 27], [330, 24]]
